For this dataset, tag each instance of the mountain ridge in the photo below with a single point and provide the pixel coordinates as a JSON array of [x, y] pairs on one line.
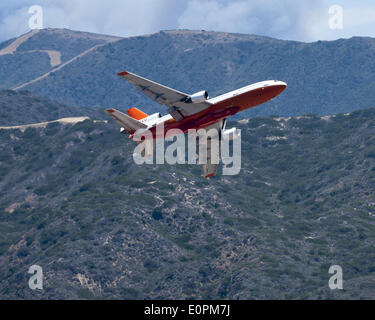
[[61, 46], [324, 77]]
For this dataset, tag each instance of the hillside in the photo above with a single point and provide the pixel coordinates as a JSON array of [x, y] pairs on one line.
[[40, 51], [73, 201], [324, 77], [18, 108]]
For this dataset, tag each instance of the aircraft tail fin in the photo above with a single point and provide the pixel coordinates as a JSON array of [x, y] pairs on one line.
[[137, 114], [129, 123]]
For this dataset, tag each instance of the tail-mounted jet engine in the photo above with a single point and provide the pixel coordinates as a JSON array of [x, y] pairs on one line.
[[198, 97]]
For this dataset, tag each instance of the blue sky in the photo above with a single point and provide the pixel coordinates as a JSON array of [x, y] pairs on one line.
[[303, 20]]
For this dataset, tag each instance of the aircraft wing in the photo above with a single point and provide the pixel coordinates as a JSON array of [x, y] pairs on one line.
[[177, 102]]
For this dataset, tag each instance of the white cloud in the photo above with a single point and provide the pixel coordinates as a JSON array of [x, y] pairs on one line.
[[11, 25], [276, 18], [116, 17], [357, 21], [361, 18], [285, 19]]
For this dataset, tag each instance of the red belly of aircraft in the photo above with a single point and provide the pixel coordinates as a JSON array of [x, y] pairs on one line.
[[223, 109]]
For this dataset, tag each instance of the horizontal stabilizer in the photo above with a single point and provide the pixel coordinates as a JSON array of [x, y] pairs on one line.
[[130, 124]]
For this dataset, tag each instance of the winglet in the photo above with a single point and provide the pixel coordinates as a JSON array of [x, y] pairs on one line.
[[123, 73]]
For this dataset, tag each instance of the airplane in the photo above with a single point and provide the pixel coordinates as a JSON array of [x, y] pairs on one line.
[[195, 111]]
